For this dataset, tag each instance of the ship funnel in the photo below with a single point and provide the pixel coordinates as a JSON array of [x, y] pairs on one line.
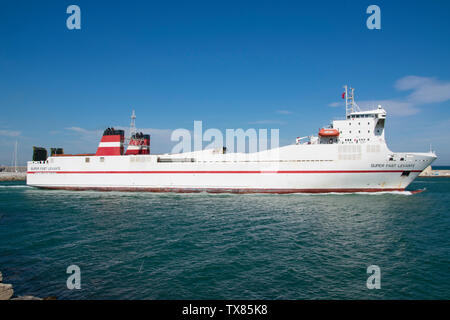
[[139, 144], [111, 143]]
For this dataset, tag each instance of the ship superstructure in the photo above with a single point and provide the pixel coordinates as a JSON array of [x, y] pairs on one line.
[[351, 155]]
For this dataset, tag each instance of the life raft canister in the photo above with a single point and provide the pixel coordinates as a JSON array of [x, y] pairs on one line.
[[328, 132]]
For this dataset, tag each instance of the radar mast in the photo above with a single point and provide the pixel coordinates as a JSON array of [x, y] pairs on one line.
[[133, 124], [350, 104]]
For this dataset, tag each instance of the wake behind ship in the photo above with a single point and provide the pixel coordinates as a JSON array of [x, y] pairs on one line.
[[350, 155]]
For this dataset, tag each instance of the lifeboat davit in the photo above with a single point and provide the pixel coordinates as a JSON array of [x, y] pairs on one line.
[[329, 133]]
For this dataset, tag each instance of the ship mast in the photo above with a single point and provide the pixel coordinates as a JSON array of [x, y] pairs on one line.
[[350, 104], [132, 124]]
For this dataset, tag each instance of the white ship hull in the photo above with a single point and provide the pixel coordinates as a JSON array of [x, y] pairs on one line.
[[292, 169], [349, 156]]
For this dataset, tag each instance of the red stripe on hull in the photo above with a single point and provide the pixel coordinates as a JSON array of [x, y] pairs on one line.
[[220, 172], [221, 190]]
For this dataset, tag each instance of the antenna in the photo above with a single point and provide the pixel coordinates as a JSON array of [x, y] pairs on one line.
[[347, 109], [132, 124]]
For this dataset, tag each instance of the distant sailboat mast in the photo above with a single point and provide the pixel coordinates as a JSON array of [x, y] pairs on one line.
[[14, 157]]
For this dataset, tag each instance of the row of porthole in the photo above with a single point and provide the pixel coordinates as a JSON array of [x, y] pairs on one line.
[[359, 123], [360, 139], [359, 131]]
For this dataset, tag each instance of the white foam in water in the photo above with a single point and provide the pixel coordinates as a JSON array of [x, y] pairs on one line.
[[7, 187], [405, 193]]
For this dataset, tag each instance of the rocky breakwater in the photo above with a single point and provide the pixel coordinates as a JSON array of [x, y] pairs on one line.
[[13, 176], [7, 293], [6, 290], [429, 172]]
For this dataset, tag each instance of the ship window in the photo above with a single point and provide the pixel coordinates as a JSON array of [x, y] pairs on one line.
[[402, 159], [405, 173], [86, 160], [102, 159]]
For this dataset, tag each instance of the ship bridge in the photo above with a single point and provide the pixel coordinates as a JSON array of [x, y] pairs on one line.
[[358, 126], [378, 113], [361, 127]]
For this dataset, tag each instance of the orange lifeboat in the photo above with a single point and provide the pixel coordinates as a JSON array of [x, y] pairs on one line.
[[329, 132]]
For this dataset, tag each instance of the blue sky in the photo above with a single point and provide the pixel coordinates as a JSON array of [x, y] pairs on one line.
[[231, 64]]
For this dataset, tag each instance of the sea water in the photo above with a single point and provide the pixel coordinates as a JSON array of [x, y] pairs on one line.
[[226, 246]]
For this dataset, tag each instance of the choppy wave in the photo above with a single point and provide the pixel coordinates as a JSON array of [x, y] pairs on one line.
[[226, 246]]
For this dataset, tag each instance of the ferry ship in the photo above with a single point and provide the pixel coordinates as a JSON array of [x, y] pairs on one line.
[[351, 155]]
